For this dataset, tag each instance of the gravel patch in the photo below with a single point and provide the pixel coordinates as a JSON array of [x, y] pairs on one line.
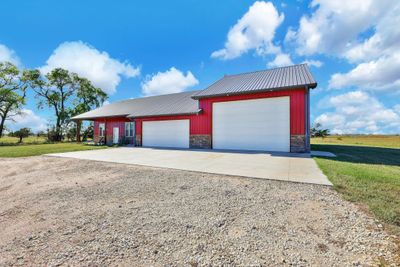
[[58, 211]]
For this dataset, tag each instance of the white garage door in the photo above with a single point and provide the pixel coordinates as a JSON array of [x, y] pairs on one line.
[[171, 133], [259, 124]]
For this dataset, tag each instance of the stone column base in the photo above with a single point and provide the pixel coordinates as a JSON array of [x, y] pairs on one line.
[[109, 140], [138, 140], [298, 144], [200, 141]]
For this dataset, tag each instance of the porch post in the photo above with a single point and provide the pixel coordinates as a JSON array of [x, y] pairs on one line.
[[78, 130]]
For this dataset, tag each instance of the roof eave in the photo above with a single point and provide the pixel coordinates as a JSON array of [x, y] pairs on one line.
[[166, 115], [312, 85], [97, 117]]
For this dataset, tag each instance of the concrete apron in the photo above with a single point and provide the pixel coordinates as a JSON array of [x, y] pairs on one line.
[[274, 166]]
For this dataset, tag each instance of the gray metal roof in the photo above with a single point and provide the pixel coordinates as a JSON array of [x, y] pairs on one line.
[[161, 105], [186, 103], [274, 79]]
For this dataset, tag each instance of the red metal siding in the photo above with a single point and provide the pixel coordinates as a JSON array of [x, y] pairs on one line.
[[203, 122], [110, 124]]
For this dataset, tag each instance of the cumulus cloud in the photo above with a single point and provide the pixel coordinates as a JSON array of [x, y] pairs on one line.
[[27, 119], [377, 57], [359, 112], [314, 63], [379, 74], [7, 54], [323, 31], [371, 40], [397, 108], [170, 81], [281, 60], [254, 31], [104, 71]]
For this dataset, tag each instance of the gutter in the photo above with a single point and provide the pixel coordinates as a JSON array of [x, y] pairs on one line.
[[197, 97], [97, 118], [165, 115]]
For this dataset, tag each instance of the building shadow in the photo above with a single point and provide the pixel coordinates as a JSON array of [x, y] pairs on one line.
[[229, 151], [362, 154]]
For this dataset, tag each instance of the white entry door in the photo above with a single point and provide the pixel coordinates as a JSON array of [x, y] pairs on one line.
[[115, 135], [168, 133], [257, 124]]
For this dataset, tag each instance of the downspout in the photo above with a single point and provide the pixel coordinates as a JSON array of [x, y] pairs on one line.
[[307, 118], [105, 131]]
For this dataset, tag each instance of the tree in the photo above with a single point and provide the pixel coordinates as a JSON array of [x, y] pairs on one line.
[[40, 133], [71, 133], [317, 131], [13, 87], [88, 132], [22, 133], [87, 98], [66, 93]]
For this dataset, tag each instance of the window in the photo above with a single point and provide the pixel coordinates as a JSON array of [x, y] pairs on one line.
[[102, 127], [129, 129]]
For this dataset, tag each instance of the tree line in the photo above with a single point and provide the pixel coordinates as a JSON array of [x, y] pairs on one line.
[[65, 93]]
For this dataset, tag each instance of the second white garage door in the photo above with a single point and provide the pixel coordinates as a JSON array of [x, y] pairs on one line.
[[171, 133], [259, 124]]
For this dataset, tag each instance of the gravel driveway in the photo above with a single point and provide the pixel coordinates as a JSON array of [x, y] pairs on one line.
[[65, 211]]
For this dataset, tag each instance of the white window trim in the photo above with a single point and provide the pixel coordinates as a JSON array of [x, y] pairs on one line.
[[102, 126], [128, 126]]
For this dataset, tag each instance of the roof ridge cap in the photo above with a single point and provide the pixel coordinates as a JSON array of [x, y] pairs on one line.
[[249, 72]]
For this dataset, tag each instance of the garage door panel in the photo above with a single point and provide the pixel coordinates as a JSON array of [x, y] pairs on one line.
[[259, 124], [168, 133]]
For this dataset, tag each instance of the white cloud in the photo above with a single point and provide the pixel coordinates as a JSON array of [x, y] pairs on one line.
[[255, 30], [315, 63], [377, 57], [27, 119], [359, 112], [105, 72], [397, 108], [7, 54], [385, 40], [281, 60], [380, 74], [364, 32], [170, 81], [335, 26]]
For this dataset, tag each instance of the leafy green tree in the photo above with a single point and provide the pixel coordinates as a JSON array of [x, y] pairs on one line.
[[66, 93], [22, 133], [13, 87], [88, 132], [88, 97], [40, 134], [71, 133], [317, 131]]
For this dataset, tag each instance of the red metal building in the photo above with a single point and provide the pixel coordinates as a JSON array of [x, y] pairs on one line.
[[265, 110]]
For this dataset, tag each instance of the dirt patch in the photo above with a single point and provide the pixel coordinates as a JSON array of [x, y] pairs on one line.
[[73, 212]]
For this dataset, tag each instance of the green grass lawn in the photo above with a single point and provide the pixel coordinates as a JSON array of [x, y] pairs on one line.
[[26, 150], [369, 175], [33, 139], [390, 141]]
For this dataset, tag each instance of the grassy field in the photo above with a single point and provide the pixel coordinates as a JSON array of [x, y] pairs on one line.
[[366, 170], [33, 139], [25, 150], [390, 141]]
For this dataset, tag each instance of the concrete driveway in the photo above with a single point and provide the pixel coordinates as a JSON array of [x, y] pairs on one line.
[[275, 166]]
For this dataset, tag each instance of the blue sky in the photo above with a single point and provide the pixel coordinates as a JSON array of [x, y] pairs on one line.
[[132, 49]]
